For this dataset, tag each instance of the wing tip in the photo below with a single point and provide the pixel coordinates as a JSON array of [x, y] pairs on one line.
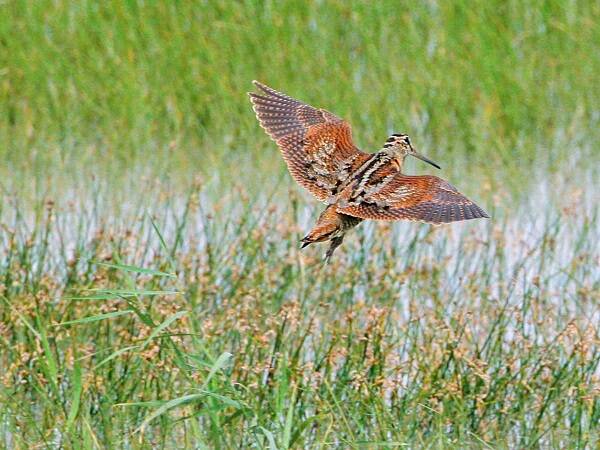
[[266, 89], [481, 214], [259, 85]]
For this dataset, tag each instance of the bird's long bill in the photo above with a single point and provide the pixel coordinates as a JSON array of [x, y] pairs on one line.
[[424, 158]]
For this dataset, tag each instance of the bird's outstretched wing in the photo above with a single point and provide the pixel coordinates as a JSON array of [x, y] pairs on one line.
[[419, 198], [316, 144]]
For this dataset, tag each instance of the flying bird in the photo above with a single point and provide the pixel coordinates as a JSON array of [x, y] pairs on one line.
[[320, 155]]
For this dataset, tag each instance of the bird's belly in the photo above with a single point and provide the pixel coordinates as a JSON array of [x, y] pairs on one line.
[[348, 222]]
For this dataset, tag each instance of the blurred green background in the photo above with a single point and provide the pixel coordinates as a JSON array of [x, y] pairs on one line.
[[119, 84]]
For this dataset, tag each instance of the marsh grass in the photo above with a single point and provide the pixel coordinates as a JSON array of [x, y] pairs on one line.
[[164, 83], [205, 326]]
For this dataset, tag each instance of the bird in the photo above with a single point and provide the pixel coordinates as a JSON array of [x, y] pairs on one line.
[[321, 156]]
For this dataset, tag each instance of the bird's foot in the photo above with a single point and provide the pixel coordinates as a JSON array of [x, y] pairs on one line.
[[335, 243]]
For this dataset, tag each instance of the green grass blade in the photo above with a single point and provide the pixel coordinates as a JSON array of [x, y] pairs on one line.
[[148, 404], [133, 292], [168, 406], [163, 325], [224, 399], [114, 355], [270, 438], [50, 361], [113, 294], [136, 269], [289, 420], [218, 365], [163, 244], [75, 396], [95, 318], [97, 297]]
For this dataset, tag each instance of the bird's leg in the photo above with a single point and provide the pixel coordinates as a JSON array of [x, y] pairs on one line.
[[335, 243], [327, 225]]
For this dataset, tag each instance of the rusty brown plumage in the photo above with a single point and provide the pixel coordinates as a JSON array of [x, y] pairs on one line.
[[316, 145], [331, 226], [422, 198], [318, 149]]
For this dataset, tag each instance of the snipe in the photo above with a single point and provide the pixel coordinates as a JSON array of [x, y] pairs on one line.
[[318, 149]]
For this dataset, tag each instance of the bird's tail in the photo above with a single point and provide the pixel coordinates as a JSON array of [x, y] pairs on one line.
[[320, 233], [306, 241]]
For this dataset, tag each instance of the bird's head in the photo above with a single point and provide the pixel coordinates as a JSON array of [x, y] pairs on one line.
[[399, 146]]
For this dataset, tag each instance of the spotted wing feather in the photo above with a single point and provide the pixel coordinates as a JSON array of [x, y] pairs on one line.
[[419, 198], [316, 144]]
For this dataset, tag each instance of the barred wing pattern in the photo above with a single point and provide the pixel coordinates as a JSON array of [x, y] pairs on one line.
[[316, 144], [419, 198]]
